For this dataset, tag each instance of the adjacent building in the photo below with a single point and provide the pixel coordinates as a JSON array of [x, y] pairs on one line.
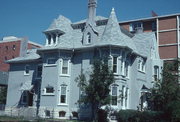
[[42, 82], [12, 47], [167, 29]]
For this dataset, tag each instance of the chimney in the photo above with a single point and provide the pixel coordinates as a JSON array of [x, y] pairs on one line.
[[92, 4]]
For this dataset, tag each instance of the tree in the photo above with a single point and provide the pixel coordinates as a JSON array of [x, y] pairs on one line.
[[166, 94], [97, 88], [3, 93]]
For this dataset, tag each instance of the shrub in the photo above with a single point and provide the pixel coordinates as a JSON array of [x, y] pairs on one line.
[[137, 116], [102, 116]]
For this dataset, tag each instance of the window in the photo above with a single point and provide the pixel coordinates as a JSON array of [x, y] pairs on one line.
[[49, 39], [63, 92], [49, 90], [24, 97], [39, 71], [47, 113], [62, 113], [154, 27], [124, 97], [27, 68], [6, 48], [114, 95], [135, 26], [5, 58], [14, 47], [65, 66], [88, 38], [51, 61], [115, 64], [126, 69], [141, 65], [156, 73]]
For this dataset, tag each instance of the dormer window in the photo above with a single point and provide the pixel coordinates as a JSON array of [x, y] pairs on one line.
[[88, 38]]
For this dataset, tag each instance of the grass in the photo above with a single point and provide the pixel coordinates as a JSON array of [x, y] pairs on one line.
[[21, 119]]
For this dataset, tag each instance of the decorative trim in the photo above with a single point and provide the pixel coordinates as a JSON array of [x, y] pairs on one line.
[[167, 30], [172, 44]]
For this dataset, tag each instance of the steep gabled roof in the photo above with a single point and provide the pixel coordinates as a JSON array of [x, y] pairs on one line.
[[61, 23], [113, 34]]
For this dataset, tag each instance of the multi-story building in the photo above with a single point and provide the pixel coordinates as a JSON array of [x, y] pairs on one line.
[[42, 82], [12, 47], [167, 29]]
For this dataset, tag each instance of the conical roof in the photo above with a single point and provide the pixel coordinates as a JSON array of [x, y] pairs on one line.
[[113, 34]]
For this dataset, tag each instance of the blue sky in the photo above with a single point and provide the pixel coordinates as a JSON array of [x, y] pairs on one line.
[[29, 18]]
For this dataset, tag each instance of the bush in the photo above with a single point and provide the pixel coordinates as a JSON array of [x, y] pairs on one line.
[[102, 116], [137, 116]]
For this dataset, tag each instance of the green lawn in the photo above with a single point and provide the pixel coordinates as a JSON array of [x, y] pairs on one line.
[[21, 119]]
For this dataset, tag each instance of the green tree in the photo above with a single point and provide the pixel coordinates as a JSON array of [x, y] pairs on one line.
[[3, 93], [166, 94], [97, 88]]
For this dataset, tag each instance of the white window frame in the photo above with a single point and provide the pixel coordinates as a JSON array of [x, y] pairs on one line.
[[137, 25], [114, 85], [25, 69], [125, 97], [88, 38], [117, 58], [126, 68], [60, 93], [68, 68], [39, 65], [24, 93], [141, 65], [47, 64], [156, 73], [45, 90]]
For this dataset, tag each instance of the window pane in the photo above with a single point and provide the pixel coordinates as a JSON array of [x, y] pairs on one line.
[[114, 91], [63, 98], [115, 64], [63, 94], [39, 71], [27, 69], [114, 95], [65, 67], [51, 61], [114, 100], [63, 90], [64, 70], [49, 90]]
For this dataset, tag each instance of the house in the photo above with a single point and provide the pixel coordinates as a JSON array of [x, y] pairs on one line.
[[42, 82]]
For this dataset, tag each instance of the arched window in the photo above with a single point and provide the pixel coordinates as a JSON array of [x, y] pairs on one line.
[[156, 73], [88, 38], [62, 113]]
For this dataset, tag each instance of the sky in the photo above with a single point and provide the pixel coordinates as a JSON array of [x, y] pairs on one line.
[[29, 18]]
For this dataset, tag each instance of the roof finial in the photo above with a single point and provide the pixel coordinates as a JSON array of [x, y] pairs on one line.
[[113, 11]]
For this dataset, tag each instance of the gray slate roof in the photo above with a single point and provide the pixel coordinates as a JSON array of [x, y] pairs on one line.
[[31, 55], [109, 34], [145, 42]]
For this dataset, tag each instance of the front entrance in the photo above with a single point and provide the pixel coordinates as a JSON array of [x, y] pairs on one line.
[[27, 98]]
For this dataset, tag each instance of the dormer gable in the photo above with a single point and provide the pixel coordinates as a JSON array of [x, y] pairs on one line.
[[59, 27]]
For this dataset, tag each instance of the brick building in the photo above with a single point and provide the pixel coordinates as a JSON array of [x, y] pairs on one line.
[[167, 30], [11, 47]]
